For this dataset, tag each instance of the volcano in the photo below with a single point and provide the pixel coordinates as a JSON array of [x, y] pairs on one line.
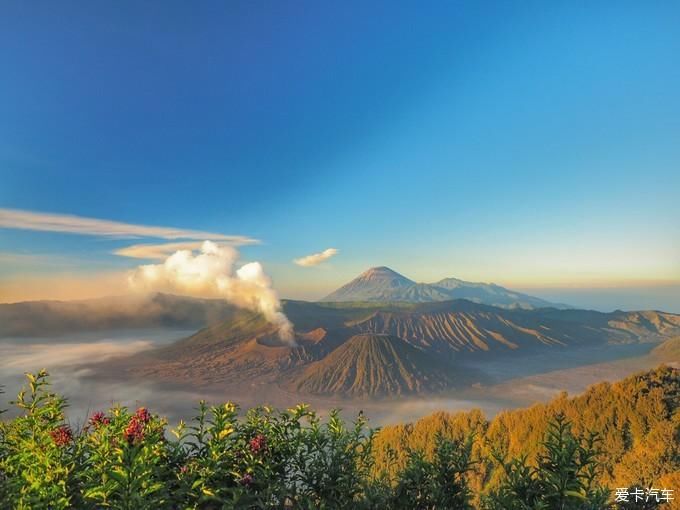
[[382, 284]]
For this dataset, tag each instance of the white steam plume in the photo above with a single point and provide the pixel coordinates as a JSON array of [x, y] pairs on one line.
[[210, 273]]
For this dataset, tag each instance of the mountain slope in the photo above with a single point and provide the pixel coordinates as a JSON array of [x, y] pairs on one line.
[[382, 284], [669, 351], [416, 337], [376, 284], [490, 294], [247, 347], [51, 318], [462, 326], [374, 365]]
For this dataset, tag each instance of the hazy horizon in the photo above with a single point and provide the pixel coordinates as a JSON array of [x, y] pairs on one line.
[[664, 297]]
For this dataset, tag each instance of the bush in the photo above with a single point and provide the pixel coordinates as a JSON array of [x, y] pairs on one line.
[[122, 459], [563, 477]]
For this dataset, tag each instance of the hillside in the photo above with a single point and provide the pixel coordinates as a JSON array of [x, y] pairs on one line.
[[50, 318], [636, 418], [386, 285], [429, 341], [375, 284], [462, 326], [669, 351], [244, 347], [374, 365]]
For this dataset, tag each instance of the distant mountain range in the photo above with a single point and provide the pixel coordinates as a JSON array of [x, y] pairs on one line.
[[376, 345], [378, 349], [383, 284], [54, 318]]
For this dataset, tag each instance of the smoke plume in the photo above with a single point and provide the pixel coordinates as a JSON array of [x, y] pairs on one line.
[[210, 273]]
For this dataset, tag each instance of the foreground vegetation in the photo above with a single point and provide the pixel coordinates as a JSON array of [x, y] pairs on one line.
[[637, 421], [546, 458]]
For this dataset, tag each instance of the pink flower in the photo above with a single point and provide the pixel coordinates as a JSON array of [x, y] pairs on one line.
[[62, 435], [143, 415], [258, 443], [98, 419]]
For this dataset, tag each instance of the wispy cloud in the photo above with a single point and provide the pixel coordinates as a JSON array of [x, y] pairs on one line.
[[157, 251], [66, 223], [316, 258]]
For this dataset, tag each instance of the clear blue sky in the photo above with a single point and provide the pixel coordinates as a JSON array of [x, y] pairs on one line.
[[528, 143]]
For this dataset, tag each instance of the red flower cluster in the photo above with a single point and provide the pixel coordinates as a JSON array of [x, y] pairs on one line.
[[247, 480], [62, 435], [134, 432], [258, 443], [98, 419], [143, 415]]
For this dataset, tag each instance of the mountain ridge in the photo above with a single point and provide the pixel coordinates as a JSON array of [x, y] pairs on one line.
[[446, 333], [382, 284]]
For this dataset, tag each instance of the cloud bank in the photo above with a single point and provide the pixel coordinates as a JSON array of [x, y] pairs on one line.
[[210, 273], [316, 258], [66, 223]]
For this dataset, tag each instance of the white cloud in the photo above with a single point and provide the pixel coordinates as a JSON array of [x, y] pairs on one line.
[[66, 223], [316, 258], [210, 273]]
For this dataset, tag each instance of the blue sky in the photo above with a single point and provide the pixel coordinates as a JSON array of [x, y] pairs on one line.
[[534, 144]]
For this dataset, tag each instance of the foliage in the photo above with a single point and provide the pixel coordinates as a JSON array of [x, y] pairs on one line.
[[636, 419], [563, 477], [439, 483], [222, 459]]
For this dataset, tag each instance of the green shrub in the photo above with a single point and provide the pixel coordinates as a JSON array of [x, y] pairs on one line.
[[222, 459], [437, 483], [563, 477]]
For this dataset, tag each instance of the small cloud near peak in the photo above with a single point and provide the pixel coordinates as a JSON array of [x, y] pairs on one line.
[[316, 258]]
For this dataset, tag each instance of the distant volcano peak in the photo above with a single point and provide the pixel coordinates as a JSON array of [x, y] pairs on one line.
[[384, 284], [383, 272]]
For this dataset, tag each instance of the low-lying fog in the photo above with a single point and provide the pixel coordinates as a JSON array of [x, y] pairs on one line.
[[536, 378], [66, 360]]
